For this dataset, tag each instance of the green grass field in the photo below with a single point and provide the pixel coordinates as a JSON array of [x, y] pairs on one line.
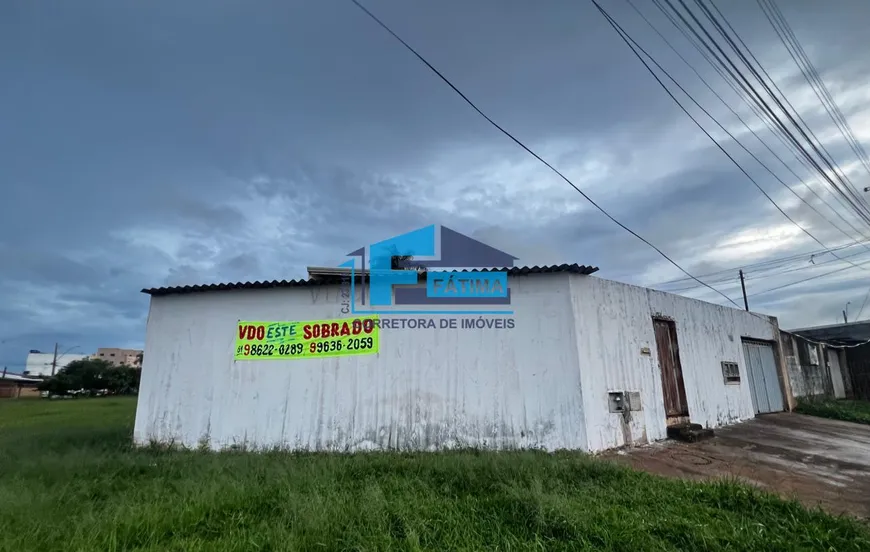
[[71, 481], [847, 410]]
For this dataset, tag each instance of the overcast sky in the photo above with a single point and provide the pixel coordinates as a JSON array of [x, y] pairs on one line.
[[145, 144]]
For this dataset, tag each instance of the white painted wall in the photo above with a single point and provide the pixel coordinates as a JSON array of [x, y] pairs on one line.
[[39, 364], [488, 387], [614, 322], [543, 384]]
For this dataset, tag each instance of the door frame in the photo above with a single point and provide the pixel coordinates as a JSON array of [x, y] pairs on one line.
[[682, 396]]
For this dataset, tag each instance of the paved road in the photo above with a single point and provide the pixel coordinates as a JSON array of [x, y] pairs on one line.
[[815, 460]]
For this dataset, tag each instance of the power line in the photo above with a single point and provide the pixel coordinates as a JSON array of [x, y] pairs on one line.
[[634, 46], [812, 76], [532, 153], [863, 303], [825, 343], [770, 275], [818, 149], [755, 97], [807, 267], [755, 134], [766, 264], [748, 87], [779, 132], [807, 279]]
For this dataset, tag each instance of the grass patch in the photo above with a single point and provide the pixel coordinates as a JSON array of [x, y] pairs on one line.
[[842, 409], [71, 481]]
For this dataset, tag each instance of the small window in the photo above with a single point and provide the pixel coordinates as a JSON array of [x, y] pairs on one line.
[[111, 354], [730, 372], [102, 354]]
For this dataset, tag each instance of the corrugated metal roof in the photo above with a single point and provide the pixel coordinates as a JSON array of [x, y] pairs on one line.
[[837, 334], [326, 280], [18, 378]]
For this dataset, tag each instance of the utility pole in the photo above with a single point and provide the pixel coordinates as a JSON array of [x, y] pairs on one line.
[[845, 320], [54, 362], [743, 286]]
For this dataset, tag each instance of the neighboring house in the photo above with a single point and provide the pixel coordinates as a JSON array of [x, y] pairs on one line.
[[119, 357], [585, 364], [831, 360], [13, 386], [39, 363]]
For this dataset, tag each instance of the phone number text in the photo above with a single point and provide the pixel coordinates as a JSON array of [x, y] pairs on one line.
[[313, 348]]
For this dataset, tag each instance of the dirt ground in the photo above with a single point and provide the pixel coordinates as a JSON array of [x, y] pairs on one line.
[[815, 460]]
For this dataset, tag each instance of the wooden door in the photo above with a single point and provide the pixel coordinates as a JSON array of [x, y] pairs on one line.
[[672, 372]]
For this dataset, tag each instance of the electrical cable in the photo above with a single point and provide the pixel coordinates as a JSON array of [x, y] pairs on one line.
[[763, 276], [634, 46], [808, 70], [627, 39], [749, 90], [805, 267], [755, 134], [532, 153], [825, 343], [863, 303], [825, 98], [820, 148], [807, 279], [556, 171], [812, 76], [759, 265], [778, 133]]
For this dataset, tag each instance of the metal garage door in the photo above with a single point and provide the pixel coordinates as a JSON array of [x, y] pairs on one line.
[[763, 380]]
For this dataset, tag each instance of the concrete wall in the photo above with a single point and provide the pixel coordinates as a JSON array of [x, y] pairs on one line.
[[427, 388], [807, 372], [542, 384], [614, 322]]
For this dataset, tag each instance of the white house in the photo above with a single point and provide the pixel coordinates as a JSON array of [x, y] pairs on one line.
[[582, 363]]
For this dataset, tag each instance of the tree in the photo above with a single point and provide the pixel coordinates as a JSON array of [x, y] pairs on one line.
[[402, 261], [93, 376], [123, 380], [88, 374], [59, 384]]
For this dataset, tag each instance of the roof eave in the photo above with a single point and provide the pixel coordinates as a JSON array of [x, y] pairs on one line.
[[324, 276]]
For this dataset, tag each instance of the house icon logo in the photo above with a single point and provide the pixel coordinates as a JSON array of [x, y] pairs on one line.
[[460, 272]]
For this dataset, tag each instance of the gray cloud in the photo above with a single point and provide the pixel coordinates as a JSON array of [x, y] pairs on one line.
[[193, 143]]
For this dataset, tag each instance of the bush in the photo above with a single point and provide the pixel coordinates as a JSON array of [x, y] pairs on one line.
[[837, 409]]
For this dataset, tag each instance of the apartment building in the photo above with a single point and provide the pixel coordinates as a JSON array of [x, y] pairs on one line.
[[117, 357]]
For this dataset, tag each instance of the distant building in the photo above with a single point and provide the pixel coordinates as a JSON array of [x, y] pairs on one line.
[[13, 386], [832, 360], [39, 363], [118, 357]]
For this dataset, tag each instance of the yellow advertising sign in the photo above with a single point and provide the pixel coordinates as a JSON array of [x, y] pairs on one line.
[[308, 339]]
